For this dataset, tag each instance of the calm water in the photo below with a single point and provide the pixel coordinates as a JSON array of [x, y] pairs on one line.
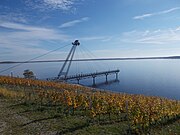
[[149, 77]]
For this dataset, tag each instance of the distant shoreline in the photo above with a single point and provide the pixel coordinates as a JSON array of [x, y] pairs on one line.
[[98, 59]]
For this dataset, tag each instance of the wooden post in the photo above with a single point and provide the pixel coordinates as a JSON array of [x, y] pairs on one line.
[[11, 74], [127, 114], [78, 80]]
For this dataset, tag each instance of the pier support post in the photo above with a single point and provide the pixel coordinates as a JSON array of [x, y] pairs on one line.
[[94, 81], [106, 78], [116, 76]]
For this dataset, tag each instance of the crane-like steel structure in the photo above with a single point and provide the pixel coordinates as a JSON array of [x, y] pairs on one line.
[[63, 73]]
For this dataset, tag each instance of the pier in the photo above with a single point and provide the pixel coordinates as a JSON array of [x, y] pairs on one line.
[[79, 77], [63, 73]]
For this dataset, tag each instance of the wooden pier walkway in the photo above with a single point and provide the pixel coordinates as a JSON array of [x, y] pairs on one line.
[[79, 77]]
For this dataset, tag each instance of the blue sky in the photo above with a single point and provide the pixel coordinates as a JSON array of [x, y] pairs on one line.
[[108, 28]]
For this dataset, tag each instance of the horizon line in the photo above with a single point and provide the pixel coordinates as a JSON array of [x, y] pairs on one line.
[[96, 59]]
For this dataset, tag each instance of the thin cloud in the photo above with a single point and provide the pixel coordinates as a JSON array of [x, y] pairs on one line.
[[32, 31], [59, 4], [51, 4], [22, 38], [13, 17], [99, 38], [157, 13], [167, 36], [74, 22]]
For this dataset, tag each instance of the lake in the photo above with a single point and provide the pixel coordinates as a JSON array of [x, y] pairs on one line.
[[159, 77]]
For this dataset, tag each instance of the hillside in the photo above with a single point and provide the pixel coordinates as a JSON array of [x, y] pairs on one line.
[[41, 107]]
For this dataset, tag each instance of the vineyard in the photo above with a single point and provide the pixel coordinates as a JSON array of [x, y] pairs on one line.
[[140, 113]]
